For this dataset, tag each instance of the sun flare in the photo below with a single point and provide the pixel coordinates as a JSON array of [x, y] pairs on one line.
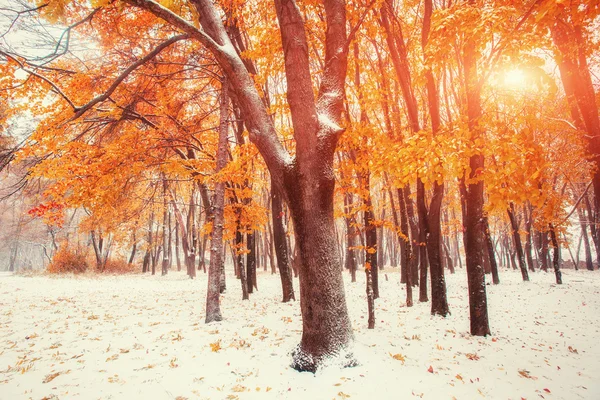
[[514, 78]]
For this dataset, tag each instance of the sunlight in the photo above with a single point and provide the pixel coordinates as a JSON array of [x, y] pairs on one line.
[[514, 78]]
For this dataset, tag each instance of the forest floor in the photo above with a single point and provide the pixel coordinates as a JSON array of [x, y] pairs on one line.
[[130, 337]]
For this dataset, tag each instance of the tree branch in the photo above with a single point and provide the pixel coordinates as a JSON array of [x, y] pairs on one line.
[[79, 111]]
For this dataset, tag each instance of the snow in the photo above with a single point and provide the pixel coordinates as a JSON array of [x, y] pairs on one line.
[[326, 122], [121, 337]]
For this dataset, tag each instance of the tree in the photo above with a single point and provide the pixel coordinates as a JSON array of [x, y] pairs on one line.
[[306, 179]]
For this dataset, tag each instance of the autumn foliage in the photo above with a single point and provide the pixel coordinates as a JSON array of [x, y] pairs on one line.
[[69, 259]]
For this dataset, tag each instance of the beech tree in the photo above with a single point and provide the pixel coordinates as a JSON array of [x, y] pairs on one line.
[[305, 178]]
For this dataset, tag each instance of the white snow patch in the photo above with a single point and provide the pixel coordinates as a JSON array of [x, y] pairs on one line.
[[326, 121], [144, 337]]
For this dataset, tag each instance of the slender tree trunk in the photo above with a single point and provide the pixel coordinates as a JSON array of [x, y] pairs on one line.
[[251, 260], [490, 249], [133, 250], [177, 256], [592, 217], [544, 250], [281, 251], [370, 297], [371, 248], [404, 241], [166, 243], [474, 200], [213, 308], [239, 242], [528, 213], [517, 241], [351, 262], [409, 254], [586, 241], [439, 301], [414, 235], [556, 257]]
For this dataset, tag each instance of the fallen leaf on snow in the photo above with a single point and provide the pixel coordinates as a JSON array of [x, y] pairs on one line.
[[51, 377], [398, 357]]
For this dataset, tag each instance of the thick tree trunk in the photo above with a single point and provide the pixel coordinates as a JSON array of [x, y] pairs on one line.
[[577, 82], [281, 251], [326, 326], [517, 241]]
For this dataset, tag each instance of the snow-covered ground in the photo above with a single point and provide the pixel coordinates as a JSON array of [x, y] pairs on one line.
[[133, 337]]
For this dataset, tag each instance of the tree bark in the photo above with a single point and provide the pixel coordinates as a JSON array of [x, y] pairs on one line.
[[281, 251], [351, 261], [528, 213], [165, 260], [517, 241], [586, 242], [251, 260], [490, 249], [213, 308], [556, 256], [474, 199]]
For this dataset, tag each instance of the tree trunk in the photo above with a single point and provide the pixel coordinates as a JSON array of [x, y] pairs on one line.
[[490, 249], [371, 246], [593, 219], [281, 251], [177, 256], [213, 308], [239, 243], [326, 325], [133, 250], [409, 254], [166, 243], [556, 256], [586, 241], [370, 297], [251, 260], [528, 213], [474, 199], [517, 241], [351, 261], [414, 235], [423, 261], [439, 301]]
